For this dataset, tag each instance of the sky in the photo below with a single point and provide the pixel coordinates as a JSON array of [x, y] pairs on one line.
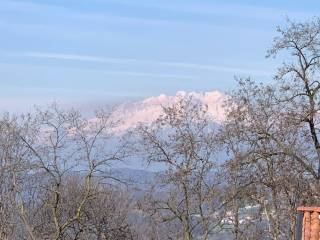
[[92, 52]]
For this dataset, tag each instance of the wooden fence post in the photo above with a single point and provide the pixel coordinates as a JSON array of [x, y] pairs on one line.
[[309, 229]]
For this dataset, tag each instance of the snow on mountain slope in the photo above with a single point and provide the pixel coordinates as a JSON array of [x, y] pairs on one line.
[[146, 111]]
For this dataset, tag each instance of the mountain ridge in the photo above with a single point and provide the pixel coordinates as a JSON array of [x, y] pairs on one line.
[[146, 111]]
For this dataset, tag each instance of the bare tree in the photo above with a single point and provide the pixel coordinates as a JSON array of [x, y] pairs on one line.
[[272, 133], [51, 149], [13, 166], [298, 82], [269, 158], [185, 197], [106, 216]]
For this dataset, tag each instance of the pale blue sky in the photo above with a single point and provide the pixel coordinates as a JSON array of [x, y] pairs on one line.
[[91, 52]]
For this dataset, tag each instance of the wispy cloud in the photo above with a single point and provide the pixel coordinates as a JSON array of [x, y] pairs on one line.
[[223, 10], [106, 72], [185, 65], [210, 8], [97, 16], [214, 8]]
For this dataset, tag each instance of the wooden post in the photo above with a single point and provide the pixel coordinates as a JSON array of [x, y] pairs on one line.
[[307, 226], [310, 223], [315, 226]]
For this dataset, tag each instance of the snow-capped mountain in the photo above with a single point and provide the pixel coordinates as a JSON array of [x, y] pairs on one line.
[[146, 111]]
